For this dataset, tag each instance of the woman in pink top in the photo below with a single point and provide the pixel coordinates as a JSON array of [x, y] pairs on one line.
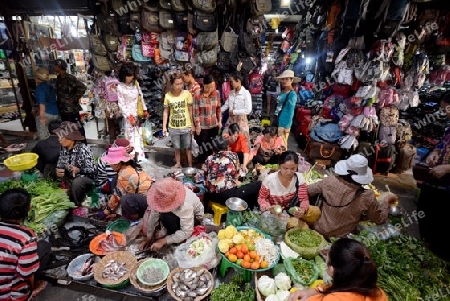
[[354, 275], [268, 147]]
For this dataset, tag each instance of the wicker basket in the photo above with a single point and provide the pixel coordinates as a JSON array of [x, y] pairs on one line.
[[142, 287], [170, 282], [120, 256]]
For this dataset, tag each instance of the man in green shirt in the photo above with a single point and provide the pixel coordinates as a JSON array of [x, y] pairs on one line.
[[69, 90]]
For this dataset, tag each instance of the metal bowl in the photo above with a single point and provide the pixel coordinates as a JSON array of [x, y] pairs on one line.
[[189, 171], [397, 211], [236, 204]]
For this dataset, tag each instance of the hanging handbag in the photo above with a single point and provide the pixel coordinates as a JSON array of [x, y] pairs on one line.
[[294, 201], [140, 105]]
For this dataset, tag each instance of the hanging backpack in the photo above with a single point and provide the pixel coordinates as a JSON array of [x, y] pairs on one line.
[[178, 5], [166, 19], [136, 53], [108, 23], [384, 159], [255, 83], [206, 40], [124, 24], [205, 21], [111, 84], [111, 42], [229, 40], [406, 155], [260, 7], [101, 63], [207, 6], [96, 45], [181, 20], [354, 17]]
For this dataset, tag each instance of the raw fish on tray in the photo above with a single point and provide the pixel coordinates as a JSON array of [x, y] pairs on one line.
[[109, 244]]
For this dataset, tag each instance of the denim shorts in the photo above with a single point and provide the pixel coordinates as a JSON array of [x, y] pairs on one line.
[[181, 136]]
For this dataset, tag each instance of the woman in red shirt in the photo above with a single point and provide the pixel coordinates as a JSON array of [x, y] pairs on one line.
[[237, 143]]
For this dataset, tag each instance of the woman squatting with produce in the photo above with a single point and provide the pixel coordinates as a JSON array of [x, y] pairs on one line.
[[176, 207], [280, 188], [345, 200], [75, 163], [130, 186], [268, 147], [354, 274]]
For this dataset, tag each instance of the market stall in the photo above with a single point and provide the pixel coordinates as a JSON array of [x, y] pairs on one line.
[[242, 255]]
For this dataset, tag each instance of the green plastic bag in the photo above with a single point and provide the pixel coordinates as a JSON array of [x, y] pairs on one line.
[[310, 271]]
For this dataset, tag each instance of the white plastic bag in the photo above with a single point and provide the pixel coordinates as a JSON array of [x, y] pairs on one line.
[[195, 149], [208, 259]]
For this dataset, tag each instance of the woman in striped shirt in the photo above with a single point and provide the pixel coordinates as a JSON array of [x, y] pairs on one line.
[[19, 259], [279, 188]]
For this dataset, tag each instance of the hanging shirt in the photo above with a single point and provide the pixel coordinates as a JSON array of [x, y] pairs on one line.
[[179, 109]]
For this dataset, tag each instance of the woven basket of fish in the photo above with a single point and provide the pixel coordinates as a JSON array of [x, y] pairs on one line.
[[139, 285], [114, 268], [192, 284]]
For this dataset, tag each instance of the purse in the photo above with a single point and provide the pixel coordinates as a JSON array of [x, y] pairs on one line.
[[294, 201], [324, 151], [421, 172], [274, 121], [140, 105]]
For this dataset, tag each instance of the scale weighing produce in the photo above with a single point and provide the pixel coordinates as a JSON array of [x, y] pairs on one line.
[[234, 214]]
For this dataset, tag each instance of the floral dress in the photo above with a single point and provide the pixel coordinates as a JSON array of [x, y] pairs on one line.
[[128, 99], [221, 171]]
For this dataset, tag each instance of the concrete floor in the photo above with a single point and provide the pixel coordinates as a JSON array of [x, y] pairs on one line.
[[158, 166]]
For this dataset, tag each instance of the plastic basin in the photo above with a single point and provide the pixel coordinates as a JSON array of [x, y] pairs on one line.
[[21, 162], [152, 263]]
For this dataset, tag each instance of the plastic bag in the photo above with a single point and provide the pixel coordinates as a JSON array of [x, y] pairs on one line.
[[272, 224], [147, 132], [208, 258], [57, 218], [195, 149]]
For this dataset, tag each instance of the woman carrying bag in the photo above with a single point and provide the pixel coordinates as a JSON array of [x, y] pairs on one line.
[[286, 103], [132, 105]]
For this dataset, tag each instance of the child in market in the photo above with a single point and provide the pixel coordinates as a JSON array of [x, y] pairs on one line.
[[19, 258]]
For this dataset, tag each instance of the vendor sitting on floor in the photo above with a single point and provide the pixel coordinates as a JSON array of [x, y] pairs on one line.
[[238, 143], [345, 200], [268, 147], [21, 255], [105, 173], [221, 171], [129, 185], [281, 187], [178, 210], [75, 162]]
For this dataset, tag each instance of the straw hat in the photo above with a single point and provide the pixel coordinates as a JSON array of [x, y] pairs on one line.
[[166, 195], [116, 155], [288, 74], [358, 164], [42, 74], [69, 130]]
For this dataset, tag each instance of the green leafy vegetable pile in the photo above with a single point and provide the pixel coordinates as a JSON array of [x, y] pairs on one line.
[[47, 197], [233, 292], [304, 238], [407, 270]]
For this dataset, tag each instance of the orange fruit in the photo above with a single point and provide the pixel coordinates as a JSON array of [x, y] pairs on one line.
[[252, 254], [239, 254], [257, 258], [232, 258], [244, 249], [233, 250], [247, 257], [227, 254], [264, 264], [246, 264], [254, 265], [238, 247]]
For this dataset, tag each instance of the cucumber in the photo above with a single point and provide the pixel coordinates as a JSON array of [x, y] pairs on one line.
[[292, 209]]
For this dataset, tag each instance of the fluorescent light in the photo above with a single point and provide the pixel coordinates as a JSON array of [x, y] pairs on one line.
[[308, 60], [285, 3]]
